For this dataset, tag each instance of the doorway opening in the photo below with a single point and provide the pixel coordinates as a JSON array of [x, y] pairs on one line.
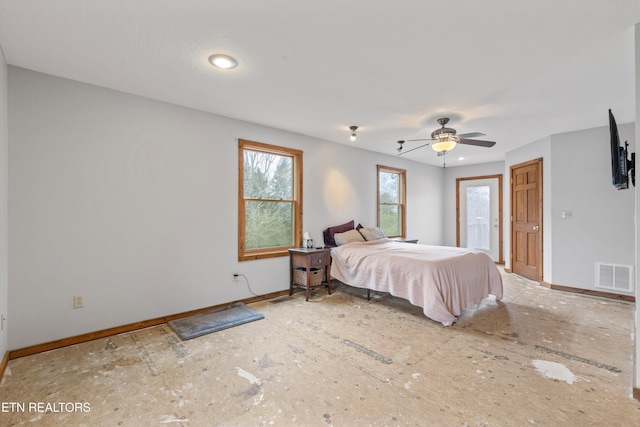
[[479, 215]]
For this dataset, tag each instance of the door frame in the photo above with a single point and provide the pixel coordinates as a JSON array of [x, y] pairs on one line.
[[539, 243], [499, 176]]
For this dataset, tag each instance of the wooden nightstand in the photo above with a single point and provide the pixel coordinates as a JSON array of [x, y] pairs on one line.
[[305, 260]]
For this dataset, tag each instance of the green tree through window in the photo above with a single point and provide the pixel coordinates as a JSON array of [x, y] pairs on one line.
[[270, 200]]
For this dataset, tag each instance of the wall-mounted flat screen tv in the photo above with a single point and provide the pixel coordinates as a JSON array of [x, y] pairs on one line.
[[622, 169]]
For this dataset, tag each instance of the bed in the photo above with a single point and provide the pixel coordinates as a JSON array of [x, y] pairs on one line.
[[442, 280]]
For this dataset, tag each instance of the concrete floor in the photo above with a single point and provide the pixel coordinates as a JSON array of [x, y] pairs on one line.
[[539, 357]]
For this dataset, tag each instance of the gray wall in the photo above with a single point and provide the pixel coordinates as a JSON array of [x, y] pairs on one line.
[[4, 176], [601, 227], [132, 203]]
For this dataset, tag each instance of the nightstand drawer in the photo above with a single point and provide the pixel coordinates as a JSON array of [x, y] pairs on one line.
[[319, 259]]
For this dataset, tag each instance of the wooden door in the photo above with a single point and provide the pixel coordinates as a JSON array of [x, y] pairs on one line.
[[526, 219]]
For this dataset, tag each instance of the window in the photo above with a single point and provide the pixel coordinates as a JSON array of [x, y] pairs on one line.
[[391, 201], [269, 200]]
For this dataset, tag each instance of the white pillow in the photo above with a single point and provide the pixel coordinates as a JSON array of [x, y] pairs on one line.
[[372, 233], [348, 237]]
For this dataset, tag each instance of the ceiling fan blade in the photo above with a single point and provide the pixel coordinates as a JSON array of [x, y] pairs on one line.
[[413, 140], [471, 135], [477, 142], [408, 151]]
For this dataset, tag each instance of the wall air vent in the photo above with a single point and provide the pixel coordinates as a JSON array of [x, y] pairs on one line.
[[614, 277]]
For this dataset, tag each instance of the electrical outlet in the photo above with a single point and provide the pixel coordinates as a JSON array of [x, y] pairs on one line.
[[78, 301], [235, 276]]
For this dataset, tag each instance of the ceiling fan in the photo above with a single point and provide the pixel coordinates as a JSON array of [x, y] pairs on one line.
[[445, 139]]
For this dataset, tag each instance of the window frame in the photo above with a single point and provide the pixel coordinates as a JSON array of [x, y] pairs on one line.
[[402, 194], [296, 156]]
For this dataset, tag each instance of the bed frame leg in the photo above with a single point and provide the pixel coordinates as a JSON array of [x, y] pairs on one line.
[[368, 294]]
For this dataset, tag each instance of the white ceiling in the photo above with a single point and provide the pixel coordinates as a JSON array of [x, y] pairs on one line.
[[515, 70]]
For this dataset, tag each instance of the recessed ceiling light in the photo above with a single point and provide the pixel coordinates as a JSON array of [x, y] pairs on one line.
[[223, 61], [460, 158]]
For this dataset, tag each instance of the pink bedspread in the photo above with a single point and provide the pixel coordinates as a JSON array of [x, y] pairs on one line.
[[443, 280]]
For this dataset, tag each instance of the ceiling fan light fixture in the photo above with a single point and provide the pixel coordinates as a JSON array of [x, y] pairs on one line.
[[445, 144], [445, 139]]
